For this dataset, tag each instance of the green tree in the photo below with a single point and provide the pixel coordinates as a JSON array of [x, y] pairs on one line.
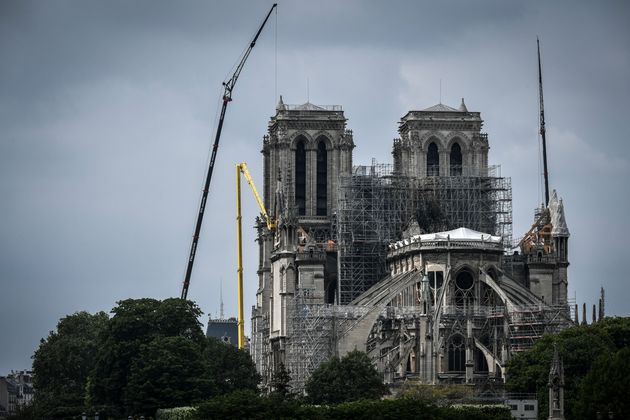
[[129, 347], [605, 387], [280, 382], [62, 363], [151, 354], [349, 379], [170, 373], [579, 347], [228, 368]]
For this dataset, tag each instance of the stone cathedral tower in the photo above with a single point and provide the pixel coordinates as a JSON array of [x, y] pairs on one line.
[[407, 261], [441, 141], [305, 152]]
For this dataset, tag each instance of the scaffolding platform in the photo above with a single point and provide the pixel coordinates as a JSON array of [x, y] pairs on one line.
[[376, 205]]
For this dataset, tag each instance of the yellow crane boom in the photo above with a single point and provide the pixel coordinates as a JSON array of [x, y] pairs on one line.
[[241, 168]]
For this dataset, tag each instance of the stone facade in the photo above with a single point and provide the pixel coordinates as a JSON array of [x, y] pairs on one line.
[[305, 152], [16, 390], [441, 141], [449, 312], [453, 305], [542, 261]]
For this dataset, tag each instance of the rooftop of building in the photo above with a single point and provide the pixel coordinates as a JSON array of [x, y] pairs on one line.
[[230, 320], [459, 235], [442, 108], [441, 112], [308, 113], [307, 107]]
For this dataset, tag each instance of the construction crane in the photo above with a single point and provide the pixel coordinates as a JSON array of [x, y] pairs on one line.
[[241, 168], [543, 131], [228, 88], [540, 232]]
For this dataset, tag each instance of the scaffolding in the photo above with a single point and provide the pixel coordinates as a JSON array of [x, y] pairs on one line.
[[397, 334], [376, 205], [314, 332], [528, 323], [259, 346]]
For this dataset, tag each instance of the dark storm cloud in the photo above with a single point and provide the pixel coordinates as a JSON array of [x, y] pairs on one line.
[[107, 110]]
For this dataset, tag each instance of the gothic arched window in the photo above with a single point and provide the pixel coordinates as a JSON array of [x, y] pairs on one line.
[[456, 354], [433, 160], [464, 296], [300, 177], [464, 280], [456, 160], [322, 179]]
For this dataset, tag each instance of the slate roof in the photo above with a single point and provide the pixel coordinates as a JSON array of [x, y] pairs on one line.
[[308, 107], [441, 108]]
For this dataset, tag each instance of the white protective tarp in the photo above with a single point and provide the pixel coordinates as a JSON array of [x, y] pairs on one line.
[[459, 234]]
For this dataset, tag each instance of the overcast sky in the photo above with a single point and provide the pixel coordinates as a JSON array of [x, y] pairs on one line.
[[107, 113]]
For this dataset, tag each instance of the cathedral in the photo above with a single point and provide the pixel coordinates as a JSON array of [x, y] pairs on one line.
[[412, 262]]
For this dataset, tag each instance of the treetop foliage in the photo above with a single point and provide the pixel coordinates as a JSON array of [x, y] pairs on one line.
[[280, 382], [144, 319], [150, 354], [586, 351], [128, 346], [605, 387], [231, 369], [348, 379], [63, 361]]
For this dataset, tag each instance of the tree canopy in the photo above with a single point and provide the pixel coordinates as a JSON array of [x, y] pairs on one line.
[[605, 387], [170, 372], [348, 379], [150, 354], [586, 351], [62, 363], [229, 368], [280, 382], [129, 347]]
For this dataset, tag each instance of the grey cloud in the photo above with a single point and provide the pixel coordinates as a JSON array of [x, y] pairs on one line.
[[106, 111]]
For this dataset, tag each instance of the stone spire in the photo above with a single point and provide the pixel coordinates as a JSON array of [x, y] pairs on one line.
[[425, 295], [553, 202], [558, 220], [280, 105], [556, 387], [584, 313], [462, 107]]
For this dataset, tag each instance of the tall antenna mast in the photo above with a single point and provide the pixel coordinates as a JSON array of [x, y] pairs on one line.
[[542, 126]]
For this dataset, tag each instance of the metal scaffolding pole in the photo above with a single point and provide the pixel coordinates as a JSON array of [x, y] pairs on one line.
[[376, 204]]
